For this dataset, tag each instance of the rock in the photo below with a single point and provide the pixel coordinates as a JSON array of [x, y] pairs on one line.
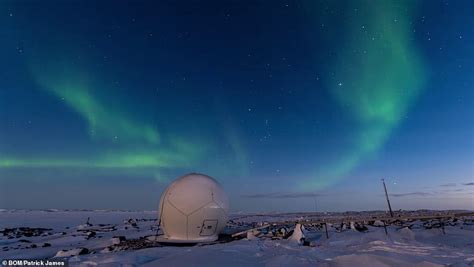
[[24, 241], [282, 232], [106, 250], [309, 243], [33, 246], [19, 232], [134, 244], [360, 227], [378, 223], [116, 240], [90, 234], [132, 222], [72, 252], [46, 245], [151, 238]]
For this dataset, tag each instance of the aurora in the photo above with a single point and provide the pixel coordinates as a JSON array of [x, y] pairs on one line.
[[309, 99], [378, 75]]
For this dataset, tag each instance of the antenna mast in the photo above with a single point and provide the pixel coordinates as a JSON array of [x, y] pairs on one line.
[[388, 200]]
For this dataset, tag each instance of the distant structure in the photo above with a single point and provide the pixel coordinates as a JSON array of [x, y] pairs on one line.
[[388, 200], [194, 208]]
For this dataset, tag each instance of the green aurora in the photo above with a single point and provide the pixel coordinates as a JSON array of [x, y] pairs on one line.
[[108, 127], [378, 74], [75, 88]]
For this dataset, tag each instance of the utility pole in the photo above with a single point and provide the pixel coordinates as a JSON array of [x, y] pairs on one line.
[[388, 200]]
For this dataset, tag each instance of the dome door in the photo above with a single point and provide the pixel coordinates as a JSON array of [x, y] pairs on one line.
[[208, 227]]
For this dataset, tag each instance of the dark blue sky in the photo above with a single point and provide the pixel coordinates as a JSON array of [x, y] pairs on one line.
[[103, 104]]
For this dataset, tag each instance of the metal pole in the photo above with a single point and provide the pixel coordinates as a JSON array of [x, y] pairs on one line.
[[388, 200]]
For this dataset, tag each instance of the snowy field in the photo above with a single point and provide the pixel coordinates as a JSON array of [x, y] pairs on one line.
[[111, 238]]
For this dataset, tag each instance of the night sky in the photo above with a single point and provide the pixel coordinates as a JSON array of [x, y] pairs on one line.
[[290, 105]]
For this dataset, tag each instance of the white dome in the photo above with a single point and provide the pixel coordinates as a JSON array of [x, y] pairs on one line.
[[193, 209]]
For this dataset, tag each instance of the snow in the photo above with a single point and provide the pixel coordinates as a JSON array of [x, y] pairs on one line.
[[298, 235], [127, 237], [378, 223], [71, 252], [116, 240]]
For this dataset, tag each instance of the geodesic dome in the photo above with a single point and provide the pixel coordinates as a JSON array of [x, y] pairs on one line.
[[193, 209]]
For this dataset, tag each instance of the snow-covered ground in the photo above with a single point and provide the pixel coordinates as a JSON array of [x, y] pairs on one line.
[[90, 238]]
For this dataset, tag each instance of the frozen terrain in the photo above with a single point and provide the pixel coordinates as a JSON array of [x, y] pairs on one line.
[[90, 238]]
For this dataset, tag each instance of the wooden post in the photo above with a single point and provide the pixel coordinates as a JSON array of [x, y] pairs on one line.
[[388, 200], [326, 228], [385, 228]]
